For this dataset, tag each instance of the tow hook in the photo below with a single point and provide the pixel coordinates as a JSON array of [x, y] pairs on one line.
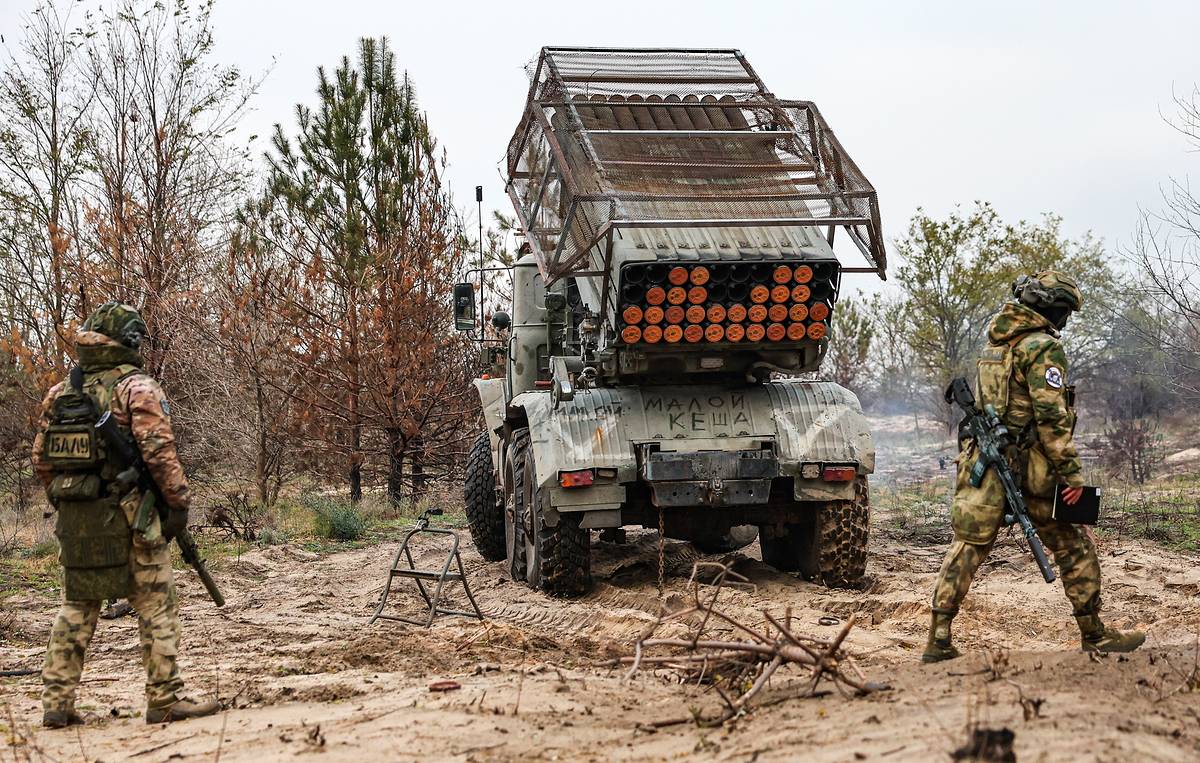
[[715, 492]]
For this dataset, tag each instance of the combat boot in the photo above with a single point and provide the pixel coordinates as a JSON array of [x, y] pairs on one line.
[[939, 647], [181, 710], [60, 719], [1098, 637]]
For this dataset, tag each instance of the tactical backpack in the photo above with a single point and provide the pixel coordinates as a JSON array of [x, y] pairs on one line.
[[93, 532]]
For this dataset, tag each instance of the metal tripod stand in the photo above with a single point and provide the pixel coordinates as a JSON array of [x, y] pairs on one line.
[[442, 576]]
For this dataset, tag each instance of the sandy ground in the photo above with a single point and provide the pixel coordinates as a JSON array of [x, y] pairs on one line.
[[302, 673]]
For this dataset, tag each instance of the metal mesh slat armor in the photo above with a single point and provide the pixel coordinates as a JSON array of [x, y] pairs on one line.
[[673, 138]]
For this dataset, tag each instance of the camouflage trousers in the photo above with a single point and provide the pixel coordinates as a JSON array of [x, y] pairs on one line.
[[153, 596], [978, 514]]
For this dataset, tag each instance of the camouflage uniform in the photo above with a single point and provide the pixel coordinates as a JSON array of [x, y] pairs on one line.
[[1023, 374], [138, 405]]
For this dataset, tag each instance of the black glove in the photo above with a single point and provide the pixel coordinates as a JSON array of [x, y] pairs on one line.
[[175, 523]]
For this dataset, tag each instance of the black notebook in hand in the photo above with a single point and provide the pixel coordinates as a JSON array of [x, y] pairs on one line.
[[1085, 511]]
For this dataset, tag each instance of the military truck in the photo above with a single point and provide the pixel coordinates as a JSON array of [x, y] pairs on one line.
[[671, 306]]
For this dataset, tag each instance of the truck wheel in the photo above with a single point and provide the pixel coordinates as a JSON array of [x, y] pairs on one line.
[[736, 538], [829, 546], [557, 559], [485, 510], [561, 562], [843, 531], [518, 500]]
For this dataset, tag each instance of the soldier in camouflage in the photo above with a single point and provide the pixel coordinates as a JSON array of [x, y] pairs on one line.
[[102, 557], [1022, 373]]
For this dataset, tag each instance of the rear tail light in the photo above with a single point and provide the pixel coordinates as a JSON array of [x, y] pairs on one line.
[[839, 473], [577, 478]]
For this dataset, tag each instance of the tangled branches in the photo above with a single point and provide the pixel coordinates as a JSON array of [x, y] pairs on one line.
[[722, 652]]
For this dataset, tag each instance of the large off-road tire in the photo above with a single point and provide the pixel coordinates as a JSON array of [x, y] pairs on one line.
[[560, 558], [557, 560], [515, 503], [734, 539], [844, 529], [485, 510], [830, 546]]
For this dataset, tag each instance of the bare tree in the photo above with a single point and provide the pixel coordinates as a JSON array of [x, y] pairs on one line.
[[1166, 252], [166, 180], [45, 102]]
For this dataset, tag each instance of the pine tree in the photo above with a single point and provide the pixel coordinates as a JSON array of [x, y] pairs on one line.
[[378, 237]]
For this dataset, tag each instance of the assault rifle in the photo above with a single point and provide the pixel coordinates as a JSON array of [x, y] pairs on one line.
[[992, 438], [135, 474]]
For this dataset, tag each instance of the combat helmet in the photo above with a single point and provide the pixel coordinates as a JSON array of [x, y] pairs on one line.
[[118, 321], [1047, 289]]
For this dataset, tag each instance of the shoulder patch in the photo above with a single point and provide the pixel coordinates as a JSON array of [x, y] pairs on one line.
[[165, 406], [1054, 377]]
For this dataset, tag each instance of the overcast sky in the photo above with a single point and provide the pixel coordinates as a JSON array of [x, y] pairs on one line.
[[1034, 106]]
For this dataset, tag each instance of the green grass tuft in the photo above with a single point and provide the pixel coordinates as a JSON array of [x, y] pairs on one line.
[[334, 518]]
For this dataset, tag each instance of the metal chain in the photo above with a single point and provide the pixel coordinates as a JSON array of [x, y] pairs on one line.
[[661, 554]]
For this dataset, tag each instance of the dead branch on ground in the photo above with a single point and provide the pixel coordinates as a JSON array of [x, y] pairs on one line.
[[724, 653]]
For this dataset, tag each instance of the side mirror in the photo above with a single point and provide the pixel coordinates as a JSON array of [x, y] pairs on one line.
[[464, 307]]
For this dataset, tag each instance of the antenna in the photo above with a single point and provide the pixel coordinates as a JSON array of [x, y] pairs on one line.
[[482, 304]]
